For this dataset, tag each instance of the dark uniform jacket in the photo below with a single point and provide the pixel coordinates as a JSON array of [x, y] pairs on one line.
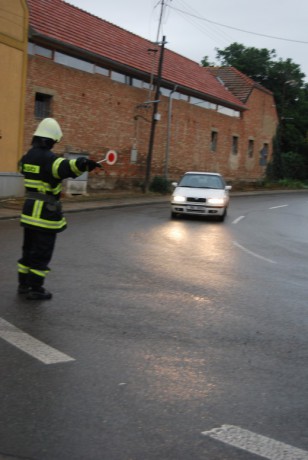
[[44, 172]]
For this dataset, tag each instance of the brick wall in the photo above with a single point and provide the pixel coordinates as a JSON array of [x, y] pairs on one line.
[[97, 114]]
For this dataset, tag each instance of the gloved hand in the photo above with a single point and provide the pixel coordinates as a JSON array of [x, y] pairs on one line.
[[92, 165], [88, 165]]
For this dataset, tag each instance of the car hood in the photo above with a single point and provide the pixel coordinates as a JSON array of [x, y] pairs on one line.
[[200, 192]]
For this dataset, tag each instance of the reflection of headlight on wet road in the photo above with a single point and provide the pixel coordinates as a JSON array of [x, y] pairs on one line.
[[176, 233], [178, 199]]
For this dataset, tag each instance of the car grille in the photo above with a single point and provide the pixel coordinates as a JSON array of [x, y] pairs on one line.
[[196, 200]]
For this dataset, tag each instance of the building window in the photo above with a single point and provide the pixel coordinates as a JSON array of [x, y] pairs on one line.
[[165, 91], [137, 83], [235, 145], [250, 148], [42, 106], [214, 138], [39, 50], [183, 97], [101, 70], [263, 155], [43, 52], [119, 77], [73, 62], [146, 85]]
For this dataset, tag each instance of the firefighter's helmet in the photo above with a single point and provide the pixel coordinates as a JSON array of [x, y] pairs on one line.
[[50, 129]]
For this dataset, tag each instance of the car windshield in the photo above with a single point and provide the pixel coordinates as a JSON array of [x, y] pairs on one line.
[[201, 181]]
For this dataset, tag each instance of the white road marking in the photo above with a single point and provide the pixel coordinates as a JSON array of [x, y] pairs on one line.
[[30, 345], [256, 444], [253, 253], [238, 219], [281, 206]]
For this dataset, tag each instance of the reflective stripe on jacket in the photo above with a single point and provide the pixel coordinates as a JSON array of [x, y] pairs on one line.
[[43, 174]]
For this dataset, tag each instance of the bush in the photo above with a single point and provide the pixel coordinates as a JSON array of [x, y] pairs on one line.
[[293, 165], [160, 184], [291, 183]]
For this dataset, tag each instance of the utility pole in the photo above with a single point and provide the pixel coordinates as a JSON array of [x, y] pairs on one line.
[[155, 116]]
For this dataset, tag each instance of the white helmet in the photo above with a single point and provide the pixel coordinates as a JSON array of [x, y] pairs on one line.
[[50, 129]]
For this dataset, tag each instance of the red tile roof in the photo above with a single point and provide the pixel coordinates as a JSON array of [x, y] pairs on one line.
[[70, 26], [238, 83]]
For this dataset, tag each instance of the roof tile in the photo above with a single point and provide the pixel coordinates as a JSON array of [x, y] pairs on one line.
[[238, 83], [63, 22]]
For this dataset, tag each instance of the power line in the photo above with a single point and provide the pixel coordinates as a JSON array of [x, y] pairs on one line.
[[207, 29], [235, 28]]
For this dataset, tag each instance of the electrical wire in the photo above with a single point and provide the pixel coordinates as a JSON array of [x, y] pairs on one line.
[[219, 34], [236, 28]]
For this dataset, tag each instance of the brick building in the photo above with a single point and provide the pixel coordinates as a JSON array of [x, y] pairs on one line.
[[97, 80]]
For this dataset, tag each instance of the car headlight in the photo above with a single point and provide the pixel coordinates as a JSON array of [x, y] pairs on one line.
[[216, 201], [178, 198]]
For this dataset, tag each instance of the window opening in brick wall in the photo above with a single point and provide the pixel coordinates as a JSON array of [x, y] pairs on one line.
[[263, 155], [214, 139], [30, 48], [137, 83], [234, 145], [250, 150], [73, 62], [101, 70], [42, 107], [200, 102], [119, 77], [43, 52], [40, 51], [228, 112], [165, 91]]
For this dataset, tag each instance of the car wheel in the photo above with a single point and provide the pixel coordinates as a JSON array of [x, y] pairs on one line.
[[173, 215], [223, 216]]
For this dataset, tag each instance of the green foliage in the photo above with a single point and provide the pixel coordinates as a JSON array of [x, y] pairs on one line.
[[274, 169], [286, 81], [160, 184], [206, 63], [292, 184], [253, 62], [293, 165], [290, 166]]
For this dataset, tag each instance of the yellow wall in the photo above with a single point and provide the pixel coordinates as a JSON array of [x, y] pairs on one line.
[[13, 59]]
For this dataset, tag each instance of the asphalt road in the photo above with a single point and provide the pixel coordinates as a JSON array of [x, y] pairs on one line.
[[159, 332]]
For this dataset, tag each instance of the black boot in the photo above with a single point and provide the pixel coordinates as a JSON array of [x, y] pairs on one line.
[[23, 287], [38, 293]]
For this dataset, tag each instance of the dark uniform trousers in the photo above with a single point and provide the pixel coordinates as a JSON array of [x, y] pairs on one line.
[[37, 251]]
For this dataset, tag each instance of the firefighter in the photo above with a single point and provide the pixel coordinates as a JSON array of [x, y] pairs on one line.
[[41, 215]]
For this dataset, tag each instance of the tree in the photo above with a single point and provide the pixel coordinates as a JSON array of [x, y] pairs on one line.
[[286, 80], [206, 63], [253, 62]]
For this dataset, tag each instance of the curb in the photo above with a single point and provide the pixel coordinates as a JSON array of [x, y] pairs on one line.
[[7, 213]]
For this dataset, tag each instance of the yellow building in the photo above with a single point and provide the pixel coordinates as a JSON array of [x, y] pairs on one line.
[[13, 58]]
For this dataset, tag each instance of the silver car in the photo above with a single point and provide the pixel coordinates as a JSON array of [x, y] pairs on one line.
[[200, 193]]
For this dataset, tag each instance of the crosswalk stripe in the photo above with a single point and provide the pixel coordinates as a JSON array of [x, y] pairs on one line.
[[256, 444], [30, 345]]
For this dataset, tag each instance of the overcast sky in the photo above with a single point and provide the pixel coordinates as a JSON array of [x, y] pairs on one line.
[[192, 33]]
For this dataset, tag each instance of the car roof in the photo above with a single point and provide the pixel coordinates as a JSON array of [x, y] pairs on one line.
[[202, 172]]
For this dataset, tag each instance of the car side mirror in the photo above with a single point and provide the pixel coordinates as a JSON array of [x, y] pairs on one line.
[[174, 184], [228, 187]]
